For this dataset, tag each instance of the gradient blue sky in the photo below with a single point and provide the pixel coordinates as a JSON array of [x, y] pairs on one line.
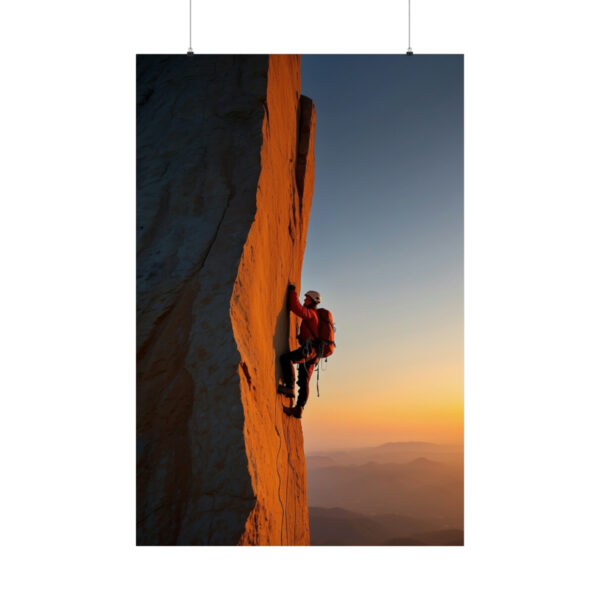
[[385, 244]]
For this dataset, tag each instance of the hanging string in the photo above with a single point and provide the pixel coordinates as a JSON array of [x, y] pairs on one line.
[[409, 51], [190, 51]]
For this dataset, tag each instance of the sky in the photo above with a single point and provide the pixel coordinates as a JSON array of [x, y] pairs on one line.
[[385, 248]]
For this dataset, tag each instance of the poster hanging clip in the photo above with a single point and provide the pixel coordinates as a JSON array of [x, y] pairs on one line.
[[190, 51], [409, 51]]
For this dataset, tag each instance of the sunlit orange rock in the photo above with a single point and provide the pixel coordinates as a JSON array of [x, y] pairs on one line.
[[225, 178]]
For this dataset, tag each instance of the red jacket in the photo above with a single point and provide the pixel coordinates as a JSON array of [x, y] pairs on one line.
[[309, 329]]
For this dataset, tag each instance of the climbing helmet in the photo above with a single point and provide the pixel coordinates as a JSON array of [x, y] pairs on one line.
[[315, 296]]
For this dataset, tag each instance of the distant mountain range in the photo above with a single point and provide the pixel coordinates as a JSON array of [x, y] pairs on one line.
[[406, 493], [339, 527], [393, 452], [421, 488], [319, 461]]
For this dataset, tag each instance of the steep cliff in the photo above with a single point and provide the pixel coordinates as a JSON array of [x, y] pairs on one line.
[[225, 177]]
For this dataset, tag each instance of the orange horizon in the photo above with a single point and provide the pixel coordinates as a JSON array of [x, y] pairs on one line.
[[400, 408], [328, 427]]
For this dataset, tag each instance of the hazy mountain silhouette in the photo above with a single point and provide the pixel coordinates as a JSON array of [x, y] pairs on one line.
[[339, 527], [400, 452], [444, 537], [421, 489], [319, 461], [374, 495]]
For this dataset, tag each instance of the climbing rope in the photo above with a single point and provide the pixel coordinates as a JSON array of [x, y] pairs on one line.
[[279, 448], [278, 474], [318, 373], [287, 480]]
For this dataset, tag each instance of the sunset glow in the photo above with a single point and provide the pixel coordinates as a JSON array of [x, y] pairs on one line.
[[385, 249]]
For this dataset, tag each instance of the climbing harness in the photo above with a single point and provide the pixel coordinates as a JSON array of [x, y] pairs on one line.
[[325, 343], [307, 347]]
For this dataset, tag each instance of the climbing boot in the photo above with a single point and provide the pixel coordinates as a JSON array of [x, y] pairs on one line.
[[296, 411], [286, 391]]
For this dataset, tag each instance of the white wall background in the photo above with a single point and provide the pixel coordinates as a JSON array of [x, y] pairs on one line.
[[67, 143]]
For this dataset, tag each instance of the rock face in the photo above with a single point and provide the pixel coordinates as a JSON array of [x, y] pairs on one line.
[[225, 178]]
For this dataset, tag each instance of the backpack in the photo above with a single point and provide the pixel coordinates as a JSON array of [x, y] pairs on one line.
[[325, 343]]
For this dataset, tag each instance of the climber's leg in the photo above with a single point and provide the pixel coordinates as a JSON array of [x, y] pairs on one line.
[[287, 361], [305, 371]]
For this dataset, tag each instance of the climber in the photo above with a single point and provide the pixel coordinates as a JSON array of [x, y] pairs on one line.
[[306, 355]]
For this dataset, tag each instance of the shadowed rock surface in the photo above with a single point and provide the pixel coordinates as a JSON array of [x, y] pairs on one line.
[[225, 177]]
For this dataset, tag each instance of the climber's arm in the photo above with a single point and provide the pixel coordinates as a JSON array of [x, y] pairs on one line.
[[295, 306]]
